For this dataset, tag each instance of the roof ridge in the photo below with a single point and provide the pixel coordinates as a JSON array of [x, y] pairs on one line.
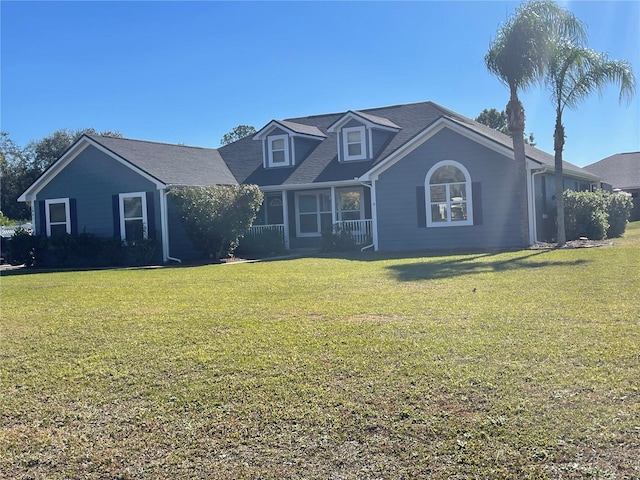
[[364, 110], [153, 142]]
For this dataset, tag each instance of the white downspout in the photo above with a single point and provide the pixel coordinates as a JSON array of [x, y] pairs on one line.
[[285, 218], [533, 227], [33, 216], [374, 223], [164, 219]]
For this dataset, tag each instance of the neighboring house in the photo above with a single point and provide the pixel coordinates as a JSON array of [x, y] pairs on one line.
[[621, 172], [405, 177]]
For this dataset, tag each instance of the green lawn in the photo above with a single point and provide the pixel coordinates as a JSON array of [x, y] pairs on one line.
[[518, 364]]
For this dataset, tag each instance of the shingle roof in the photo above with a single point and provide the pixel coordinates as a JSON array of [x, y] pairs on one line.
[[171, 164], [385, 122], [300, 128], [244, 157], [621, 170]]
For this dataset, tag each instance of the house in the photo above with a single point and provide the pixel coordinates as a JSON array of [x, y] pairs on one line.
[[622, 173], [404, 177]]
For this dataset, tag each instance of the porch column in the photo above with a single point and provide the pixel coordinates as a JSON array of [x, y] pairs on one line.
[[374, 214], [334, 214], [285, 218]]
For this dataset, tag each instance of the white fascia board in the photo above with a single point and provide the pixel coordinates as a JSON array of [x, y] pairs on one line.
[[425, 135], [69, 156], [347, 117], [310, 186]]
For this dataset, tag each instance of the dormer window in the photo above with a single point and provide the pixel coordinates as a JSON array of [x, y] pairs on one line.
[[285, 143], [361, 136], [278, 151], [354, 143]]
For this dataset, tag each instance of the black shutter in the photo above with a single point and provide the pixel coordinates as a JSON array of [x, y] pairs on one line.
[[476, 192], [41, 227], [151, 218], [421, 207], [115, 202], [73, 216]]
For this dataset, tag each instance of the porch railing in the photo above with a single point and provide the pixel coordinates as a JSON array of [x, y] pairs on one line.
[[258, 229], [360, 230]]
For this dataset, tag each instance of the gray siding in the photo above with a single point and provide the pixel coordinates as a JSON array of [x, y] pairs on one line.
[[303, 146], [92, 178], [380, 139], [397, 206]]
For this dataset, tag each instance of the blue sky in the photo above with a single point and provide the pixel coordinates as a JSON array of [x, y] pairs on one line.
[[188, 72]]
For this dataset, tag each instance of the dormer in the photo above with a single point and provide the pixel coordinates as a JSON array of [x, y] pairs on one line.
[[285, 144], [360, 136]]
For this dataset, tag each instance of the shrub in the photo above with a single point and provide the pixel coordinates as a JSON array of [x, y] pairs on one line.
[[21, 248], [75, 251], [216, 217], [266, 242], [337, 239], [140, 252], [619, 206], [585, 215]]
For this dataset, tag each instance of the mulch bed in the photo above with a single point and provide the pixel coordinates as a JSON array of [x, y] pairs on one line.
[[580, 243]]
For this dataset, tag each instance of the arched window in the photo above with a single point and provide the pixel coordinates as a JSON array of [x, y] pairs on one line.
[[448, 195]]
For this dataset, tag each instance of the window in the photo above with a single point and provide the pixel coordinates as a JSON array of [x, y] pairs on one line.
[[58, 217], [133, 216], [313, 213], [448, 195], [271, 211], [350, 204], [354, 143], [278, 151]]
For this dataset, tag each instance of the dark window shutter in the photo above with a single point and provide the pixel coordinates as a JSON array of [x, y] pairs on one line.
[[115, 202], [73, 216], [41, 227], [421, 207], [151, 218], [476, 192]]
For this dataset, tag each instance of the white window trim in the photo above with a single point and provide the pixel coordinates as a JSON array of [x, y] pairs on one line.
[[145, 223], [67, 222], [270, 140], [318, 212], [345, 143], [427, 196]]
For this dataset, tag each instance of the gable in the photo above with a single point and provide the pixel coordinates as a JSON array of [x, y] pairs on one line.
[[93, 172], [76, 150]]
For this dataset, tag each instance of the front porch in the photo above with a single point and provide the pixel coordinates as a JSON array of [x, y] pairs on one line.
[[300, 217]]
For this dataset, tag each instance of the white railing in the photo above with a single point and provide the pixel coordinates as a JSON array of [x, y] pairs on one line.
[[360, 230], [258, 229], [9, 231]]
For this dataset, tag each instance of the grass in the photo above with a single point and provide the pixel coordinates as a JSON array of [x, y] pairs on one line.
[[518, 364]]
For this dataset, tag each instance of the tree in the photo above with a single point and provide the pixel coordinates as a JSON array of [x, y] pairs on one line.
[[50, 148], [20, 167], [494, 119], [16, 174], [575, 72], [518, 57], [498, 121], [238, 133]]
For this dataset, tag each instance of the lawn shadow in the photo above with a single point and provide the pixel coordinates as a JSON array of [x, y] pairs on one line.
[[448, 267]]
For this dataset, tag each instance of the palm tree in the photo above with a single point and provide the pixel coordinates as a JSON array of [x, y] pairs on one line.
[[574, 72], [518, 57]]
